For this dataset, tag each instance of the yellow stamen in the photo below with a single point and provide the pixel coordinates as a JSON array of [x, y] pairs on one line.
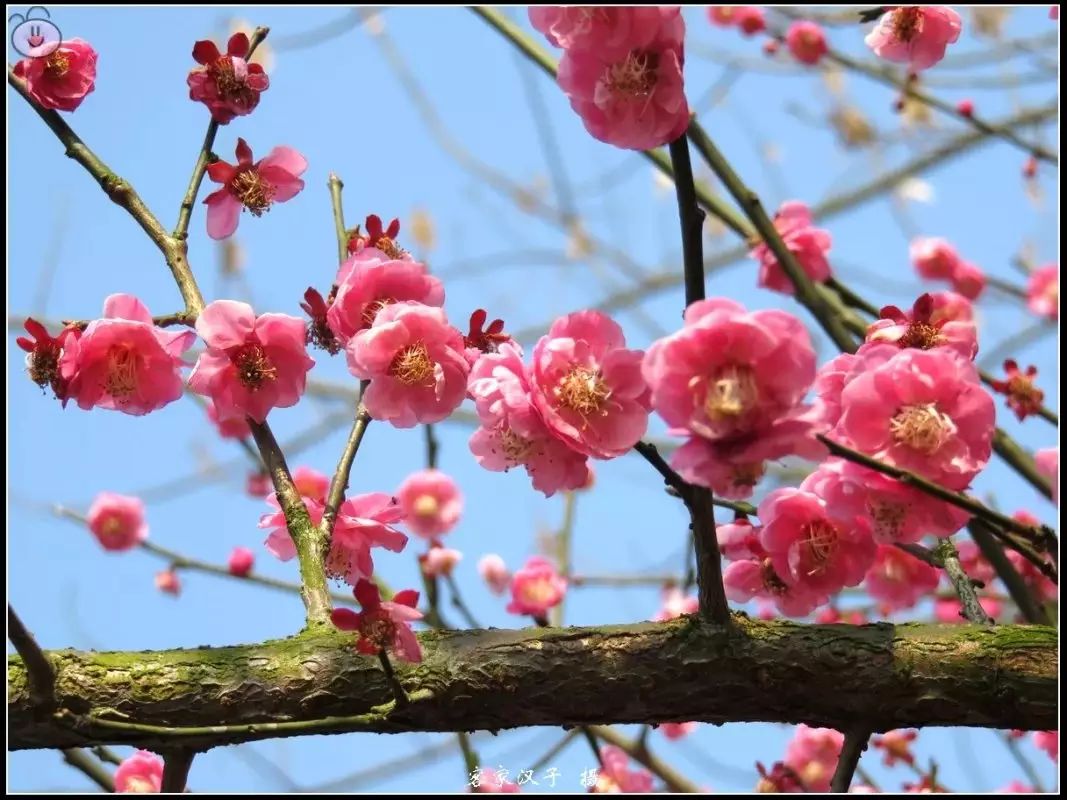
[[922, 427], [413, 366], [583, 390]]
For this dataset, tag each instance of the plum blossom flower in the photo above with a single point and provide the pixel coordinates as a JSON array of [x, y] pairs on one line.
[[1043, 291], [813, 545], [924, 328], [241, 561], [806, 41], [512, 432], [612, 31], [615, 776], [536, 588], [123, 361], [43, 352], [382, 624], [968, 280], [439, 560], [933, 258], [631, 94], [808, 244], [915, 35], [141, 773], [1024, 398], [898, 579], [252, 364], [588, 386], [414, 360], [59, 79], [813, 754], [367, 282], [227, 84], [897, 746], [431, 502], [923, 411], [494, 572], [117, 521], [254, 186]]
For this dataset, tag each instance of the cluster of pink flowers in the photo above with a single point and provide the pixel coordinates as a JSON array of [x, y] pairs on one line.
[[936, 259], [621, 70], [808, 245], [733, 381], [915, 35], [583, 397]]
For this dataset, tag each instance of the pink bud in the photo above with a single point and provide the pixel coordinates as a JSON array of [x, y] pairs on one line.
[[241, 561], [167, 581], [439, 561], [494, 572], [258, 484], [965, 107]]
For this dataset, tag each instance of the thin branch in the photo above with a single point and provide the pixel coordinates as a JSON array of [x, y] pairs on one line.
[[90, 767], [339, 483], [851, 750], [972, 608], [336, 186], [39, 668], [394, 682], [176, 766]]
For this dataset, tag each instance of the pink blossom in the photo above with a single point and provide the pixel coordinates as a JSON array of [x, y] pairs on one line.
[[813, 754], [677, 730], [757, 578], [615, 776], [897, 746], [738, 540], [923, 411], [933, 258], [43, 353], [141, 773], [61, 78], [924, 328], [232, 428], [899, 579], [631, 95], [750, 19], [382, 624], [168, 581], [915, 35], [1043, 291], [536, 588], [252, 364], [675, 604], [431, 502], [124, 362], [1048, 464], [1049, 741], [368, 282], [227, 84], [512, 431], [117, 521], [611, 31], [588, 386], [813, 545], [439, 561], [311, 483], [950, 610], [968, 279], [895, 512], [494, 572], [241, 561], [414, 360], [806, 41], [252, 186], [808, 244]]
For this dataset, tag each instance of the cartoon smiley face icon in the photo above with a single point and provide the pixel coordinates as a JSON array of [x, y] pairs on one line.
[[35, 35]]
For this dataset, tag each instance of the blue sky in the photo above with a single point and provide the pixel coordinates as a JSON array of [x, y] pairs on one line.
[[340, 103]]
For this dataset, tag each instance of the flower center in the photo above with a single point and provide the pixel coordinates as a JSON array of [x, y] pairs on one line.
[[254, 367], [634, 78], [771, 582], [43, 365], [413, 366], [747, 474], [227, 84], [922, 427], [920, 335], [515, 447], [820, 541], [732, 393], [58, 64], [389, 247], [538, 592], [370, 311], [111, 528], [907, 22], [583, 390], [139, 785], [256, 194], [426, 505], [888, 518], [121, 372], [379, 630]]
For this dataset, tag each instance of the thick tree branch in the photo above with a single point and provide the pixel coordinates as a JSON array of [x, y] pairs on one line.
[[878, 676]]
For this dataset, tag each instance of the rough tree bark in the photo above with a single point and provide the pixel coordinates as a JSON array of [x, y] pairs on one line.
[[882, 676]]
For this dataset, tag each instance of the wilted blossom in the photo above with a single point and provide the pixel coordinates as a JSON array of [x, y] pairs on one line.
[[382, 624], [43, 352], [61, 77], [808, 244], [227, 84], [117, 521], [141, 773], [915, 35], [254, 186]]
